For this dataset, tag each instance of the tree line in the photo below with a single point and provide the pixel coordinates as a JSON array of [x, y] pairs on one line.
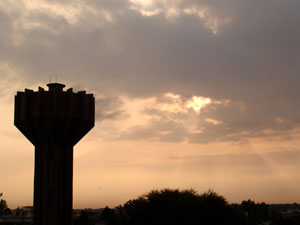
[[187, 207], [183, 207]]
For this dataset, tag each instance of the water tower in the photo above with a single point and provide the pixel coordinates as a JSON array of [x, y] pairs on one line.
[[54, 121]]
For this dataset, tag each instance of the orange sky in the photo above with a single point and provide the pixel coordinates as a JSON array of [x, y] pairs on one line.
[[110, 171]]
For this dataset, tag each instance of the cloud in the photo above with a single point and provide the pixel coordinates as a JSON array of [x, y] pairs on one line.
[[108, 108], [195, 119], [165, 131], [238, 51]]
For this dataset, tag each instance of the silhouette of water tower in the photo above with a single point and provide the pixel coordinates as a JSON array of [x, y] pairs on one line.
[[54, 121]]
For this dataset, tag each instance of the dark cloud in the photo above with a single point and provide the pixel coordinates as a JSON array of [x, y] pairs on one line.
[[217, 122], [107, 4], [240, 122], [108, 108], [253, 60], [164, 131]]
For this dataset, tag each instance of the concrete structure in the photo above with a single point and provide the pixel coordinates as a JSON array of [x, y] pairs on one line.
[[54, 121]]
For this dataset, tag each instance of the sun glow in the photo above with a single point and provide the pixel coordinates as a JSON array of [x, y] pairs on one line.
[[197, 103]]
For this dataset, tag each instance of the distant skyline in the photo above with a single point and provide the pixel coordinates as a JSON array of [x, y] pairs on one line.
[[189, 94]]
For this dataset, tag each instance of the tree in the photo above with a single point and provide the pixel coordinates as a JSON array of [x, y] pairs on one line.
[[174, 207], [256, 212], [3, 207], [110, 216], [83, 219]]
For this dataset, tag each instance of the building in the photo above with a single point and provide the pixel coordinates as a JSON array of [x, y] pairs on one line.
[[54, 121]]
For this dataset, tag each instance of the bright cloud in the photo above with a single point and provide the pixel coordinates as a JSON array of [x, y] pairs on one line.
[[68, 11], [215, 122], [212, 22], [156, 118], [142, 2], [174, 9], [197, 103]]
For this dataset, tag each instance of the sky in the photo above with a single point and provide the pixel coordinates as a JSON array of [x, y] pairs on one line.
[[200, 94]]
